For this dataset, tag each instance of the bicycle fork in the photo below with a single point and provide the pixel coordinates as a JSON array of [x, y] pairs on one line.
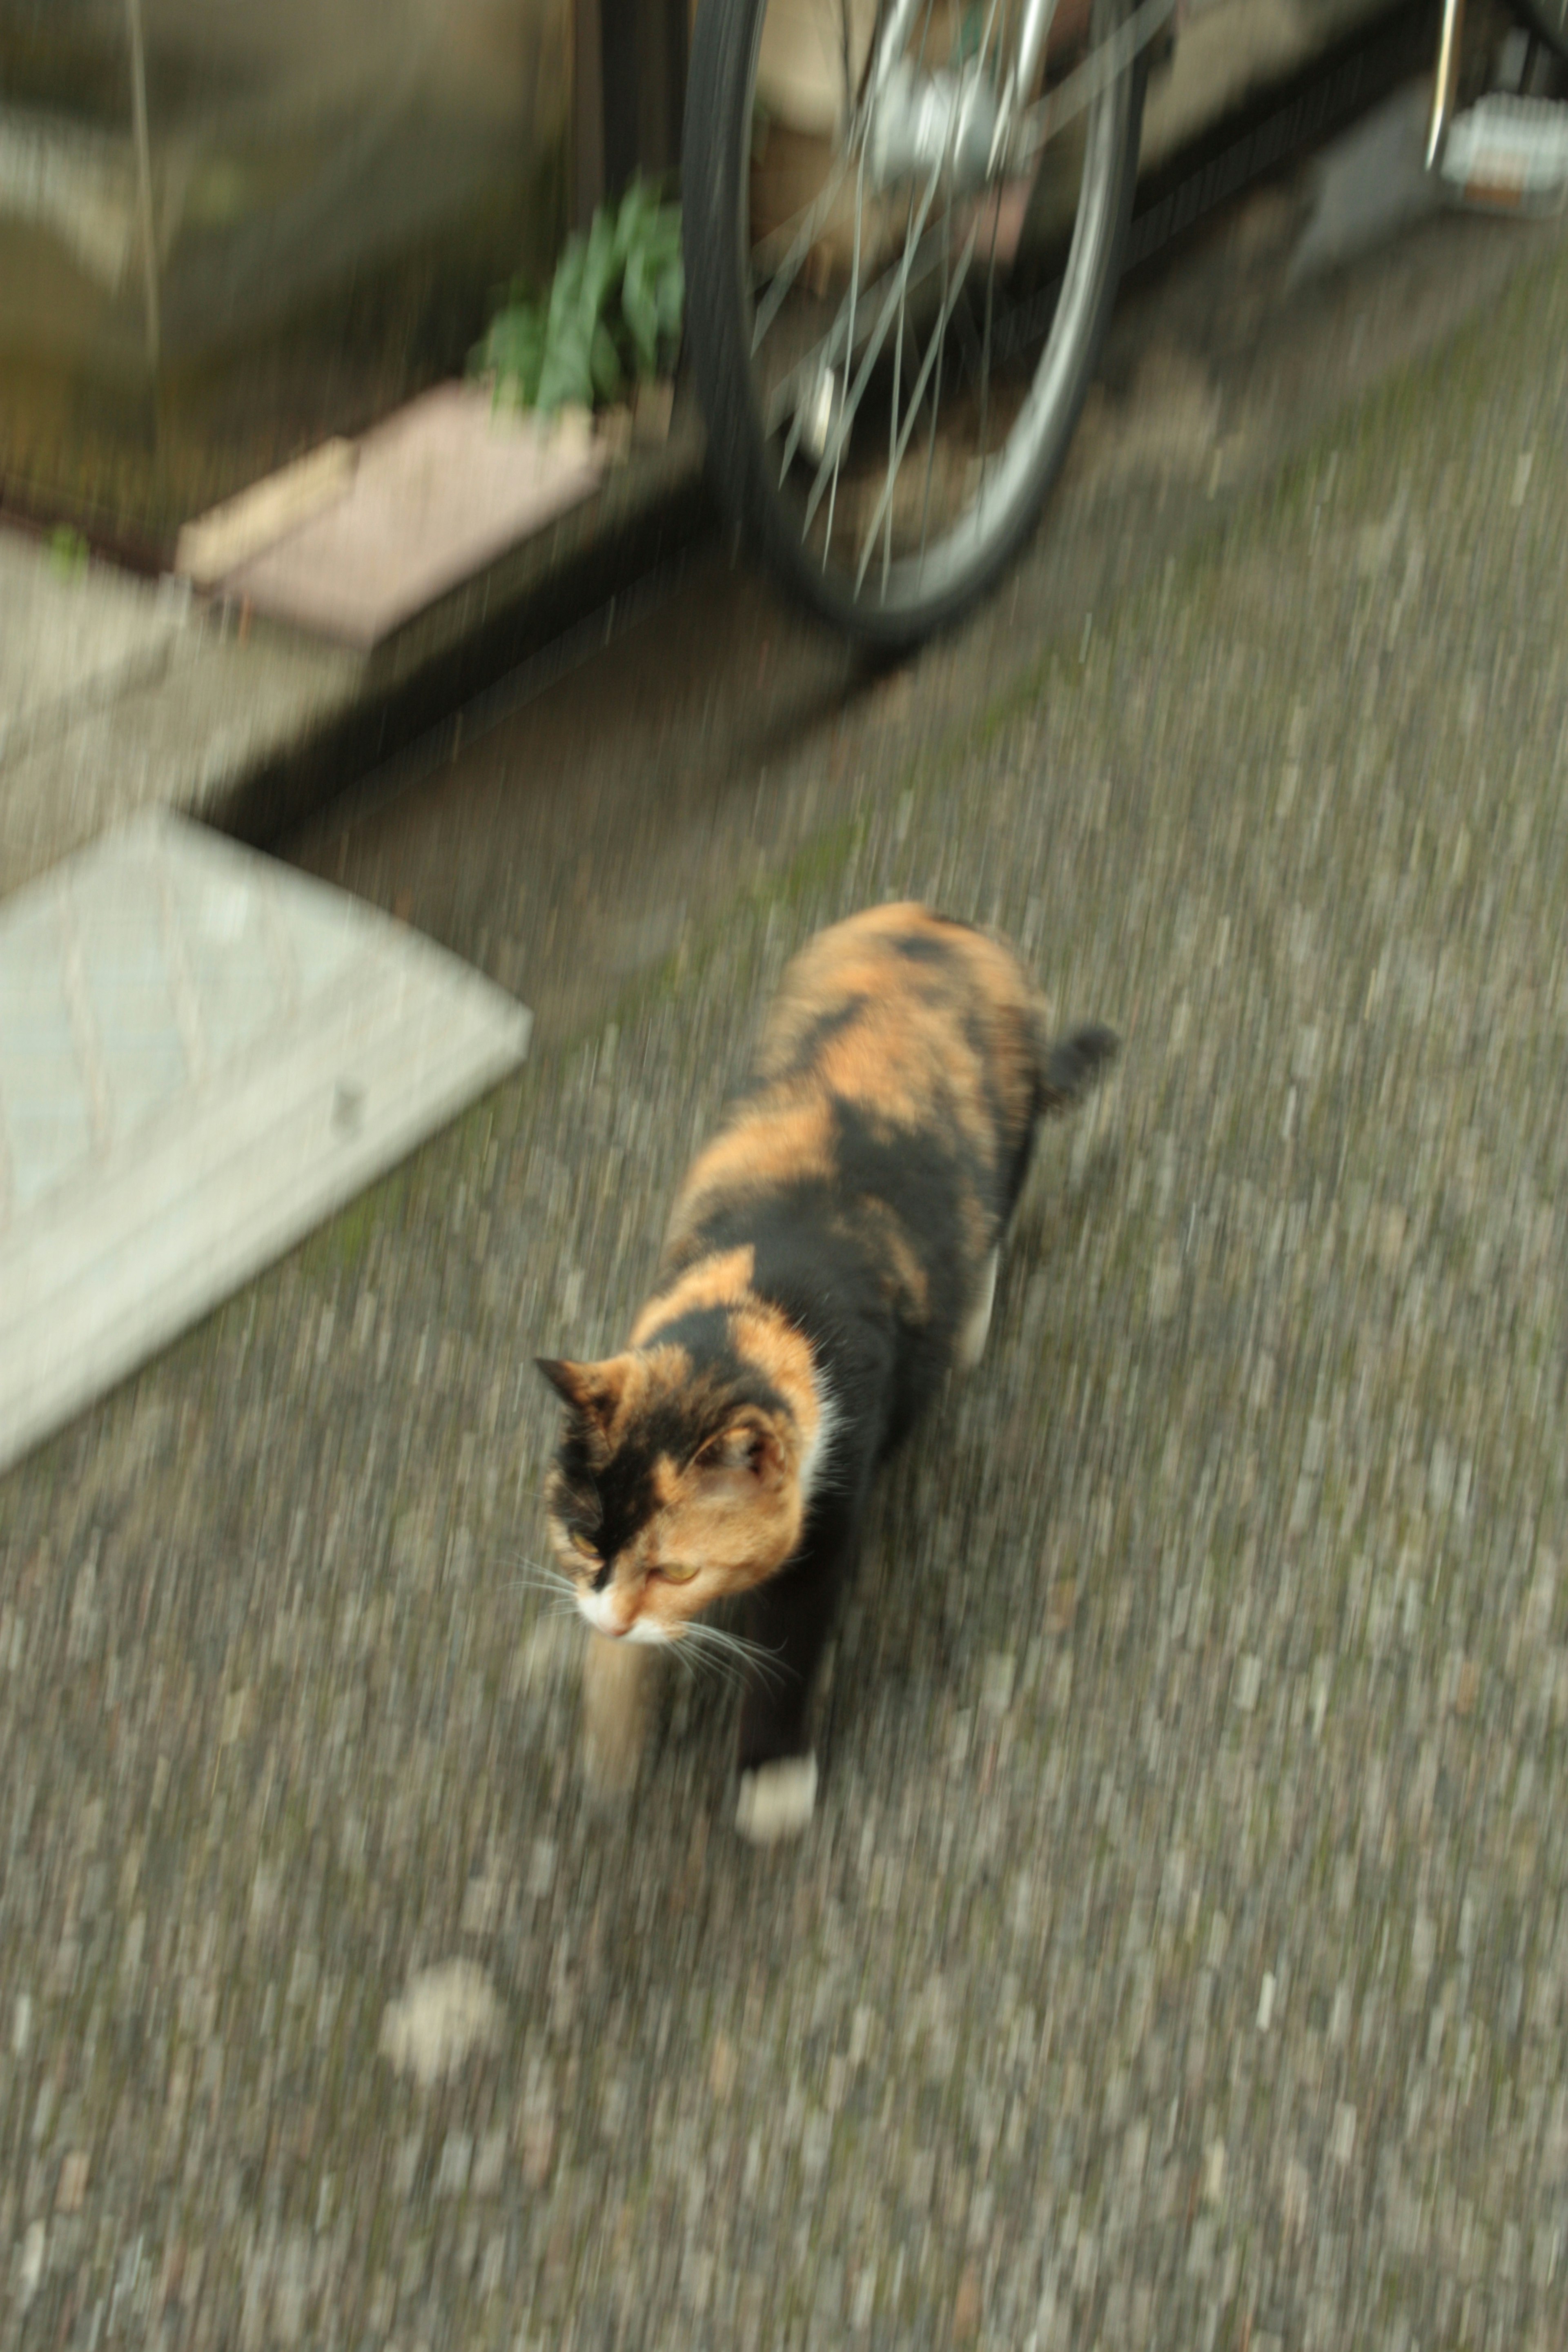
[[1446, 82]]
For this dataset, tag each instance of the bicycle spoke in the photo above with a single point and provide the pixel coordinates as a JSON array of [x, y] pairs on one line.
[[938, 349], [854, 287], [990, 309], [1085, 83], [783, 396], [893, 431], [793, 261], [879, 336], [932, 359]]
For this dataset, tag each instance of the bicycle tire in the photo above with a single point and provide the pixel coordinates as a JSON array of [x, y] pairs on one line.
[[909, 599]]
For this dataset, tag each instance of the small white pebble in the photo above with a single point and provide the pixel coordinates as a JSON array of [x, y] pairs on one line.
[[482, 1905], [996, 1689], [446, 2014], [1320, 1672], [1266, 2003], [490, 2164], [30, 2269]]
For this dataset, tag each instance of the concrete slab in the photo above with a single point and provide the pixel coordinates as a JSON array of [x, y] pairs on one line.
[[72, 640], [439, 490], [202, 1054]]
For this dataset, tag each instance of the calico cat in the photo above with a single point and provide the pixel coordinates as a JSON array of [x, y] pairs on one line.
[[833, 1251]]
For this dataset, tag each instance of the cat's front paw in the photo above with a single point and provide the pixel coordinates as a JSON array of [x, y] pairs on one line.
[[611, 1763], [616, 1694], [776, 1801]]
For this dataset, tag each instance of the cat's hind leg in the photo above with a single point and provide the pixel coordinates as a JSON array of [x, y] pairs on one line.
[[971, 1345], [617, 1698]]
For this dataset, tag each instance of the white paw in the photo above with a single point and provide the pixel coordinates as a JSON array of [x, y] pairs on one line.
[[776, 1801]]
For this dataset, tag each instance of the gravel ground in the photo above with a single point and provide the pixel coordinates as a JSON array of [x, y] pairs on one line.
[[1180, 1953]]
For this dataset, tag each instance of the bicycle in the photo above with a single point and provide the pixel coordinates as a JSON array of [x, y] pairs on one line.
[[904, 223]]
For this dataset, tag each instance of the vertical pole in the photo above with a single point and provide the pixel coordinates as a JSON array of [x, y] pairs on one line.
[[144, 182], [587, 112]]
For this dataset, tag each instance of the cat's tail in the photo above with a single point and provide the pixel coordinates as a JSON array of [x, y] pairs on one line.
[[1070, 1065]]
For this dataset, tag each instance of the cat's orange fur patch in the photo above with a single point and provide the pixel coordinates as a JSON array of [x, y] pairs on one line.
[[766, 1339], [721, 1280], [897, 1049], [767, 1145]]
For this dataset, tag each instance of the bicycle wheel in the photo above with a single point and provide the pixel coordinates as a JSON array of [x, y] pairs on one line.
[[900, 264]]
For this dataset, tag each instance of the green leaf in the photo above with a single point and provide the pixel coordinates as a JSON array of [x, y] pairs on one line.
[[670, 297], [614, 303], [565, 374], [566, 285], [513, 351], [69, 551], [637, 204], [604, 363], [602, 263], [662, 243], [639, 308]]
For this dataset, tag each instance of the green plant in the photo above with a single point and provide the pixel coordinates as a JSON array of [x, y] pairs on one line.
[[613, 311], [68, 552]]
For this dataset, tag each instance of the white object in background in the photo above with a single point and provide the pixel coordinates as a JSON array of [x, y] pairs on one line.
[[1508, 154]]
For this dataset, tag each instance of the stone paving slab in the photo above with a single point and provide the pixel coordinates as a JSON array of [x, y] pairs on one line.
[[72, 640], [202, 1054], [440, 490]]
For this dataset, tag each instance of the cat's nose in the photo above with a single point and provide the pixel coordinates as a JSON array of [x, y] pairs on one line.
[[604, 1611]]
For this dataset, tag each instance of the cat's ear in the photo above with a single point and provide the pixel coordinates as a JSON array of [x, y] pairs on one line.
[[750, 1450], [592, 1389]]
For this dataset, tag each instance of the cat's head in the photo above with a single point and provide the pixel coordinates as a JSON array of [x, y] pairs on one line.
[[675, 1485]]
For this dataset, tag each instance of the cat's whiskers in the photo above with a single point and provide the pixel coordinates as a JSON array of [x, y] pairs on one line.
[[706, 1663], [540, 1583], [733, 1652], [687, 1663], [535, 1577], [698, 1645]]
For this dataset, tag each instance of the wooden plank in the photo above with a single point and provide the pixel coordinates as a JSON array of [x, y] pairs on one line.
[[257, 518]]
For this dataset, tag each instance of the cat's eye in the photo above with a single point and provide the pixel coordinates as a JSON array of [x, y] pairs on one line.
[[582, 1547], [676, 1571]]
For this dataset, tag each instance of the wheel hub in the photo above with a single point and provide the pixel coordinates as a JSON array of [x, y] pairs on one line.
[[926, 125]]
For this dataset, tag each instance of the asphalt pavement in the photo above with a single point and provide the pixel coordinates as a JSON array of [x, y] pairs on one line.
[[1179, 1956]]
